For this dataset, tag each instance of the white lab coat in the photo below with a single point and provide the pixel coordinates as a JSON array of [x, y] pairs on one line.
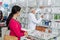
[[33, 21]]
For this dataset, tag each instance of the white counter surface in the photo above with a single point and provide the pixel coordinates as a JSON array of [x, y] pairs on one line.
[[41, 35]]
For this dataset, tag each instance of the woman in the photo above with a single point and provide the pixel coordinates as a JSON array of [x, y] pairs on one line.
[[14, 25]]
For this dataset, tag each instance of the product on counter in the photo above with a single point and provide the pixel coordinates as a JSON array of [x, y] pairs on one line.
[[43, 29], [30, 38], [40, 28]]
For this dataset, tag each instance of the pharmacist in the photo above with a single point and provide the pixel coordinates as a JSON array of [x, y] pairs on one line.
[[32, 20]]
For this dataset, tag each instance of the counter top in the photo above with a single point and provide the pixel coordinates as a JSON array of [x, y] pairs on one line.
[[41, 35]]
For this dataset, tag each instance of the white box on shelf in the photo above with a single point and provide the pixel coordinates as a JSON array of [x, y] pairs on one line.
[[56, 10], [55, 2]]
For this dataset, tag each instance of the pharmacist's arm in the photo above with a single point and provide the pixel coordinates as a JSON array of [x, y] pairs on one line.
[[34, 20]]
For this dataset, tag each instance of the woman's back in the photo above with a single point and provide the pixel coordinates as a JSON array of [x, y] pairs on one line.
[[15, 28]]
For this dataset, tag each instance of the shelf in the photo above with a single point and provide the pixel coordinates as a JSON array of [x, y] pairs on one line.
[[57, 21], [55, 2]]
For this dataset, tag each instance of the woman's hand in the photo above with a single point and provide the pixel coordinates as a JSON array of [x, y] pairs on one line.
[[26, 34]]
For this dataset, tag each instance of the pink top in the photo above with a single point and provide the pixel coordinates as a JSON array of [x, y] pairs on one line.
[[15, 28]]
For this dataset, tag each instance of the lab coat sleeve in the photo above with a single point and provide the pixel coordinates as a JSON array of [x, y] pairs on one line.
[[16, 29], [34, 20]]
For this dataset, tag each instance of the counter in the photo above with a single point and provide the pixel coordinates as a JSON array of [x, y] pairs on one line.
[[40, 35]]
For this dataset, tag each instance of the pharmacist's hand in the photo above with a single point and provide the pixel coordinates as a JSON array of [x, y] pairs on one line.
[[42, 16], [26, 34]]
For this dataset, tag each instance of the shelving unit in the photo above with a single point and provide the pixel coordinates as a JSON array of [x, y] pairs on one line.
[[52, 5], [5, 11], [49, 10]]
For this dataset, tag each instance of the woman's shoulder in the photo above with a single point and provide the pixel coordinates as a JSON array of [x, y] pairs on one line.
[[13, 21]]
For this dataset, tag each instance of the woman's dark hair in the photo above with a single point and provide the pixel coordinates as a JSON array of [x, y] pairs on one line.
[[14, 10], [1, 14]]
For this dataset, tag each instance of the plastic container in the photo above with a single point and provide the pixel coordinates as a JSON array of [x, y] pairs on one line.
[[46, 22]]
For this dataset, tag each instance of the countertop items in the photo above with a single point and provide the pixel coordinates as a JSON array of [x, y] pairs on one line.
[[43, 29]]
